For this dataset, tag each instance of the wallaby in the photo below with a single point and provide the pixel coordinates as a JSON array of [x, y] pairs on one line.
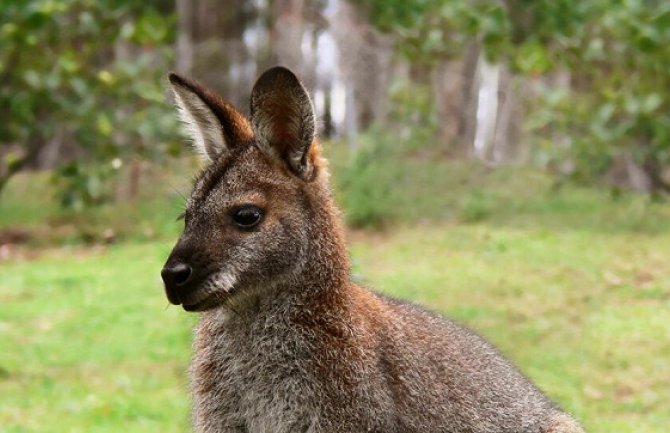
[[287, 342]]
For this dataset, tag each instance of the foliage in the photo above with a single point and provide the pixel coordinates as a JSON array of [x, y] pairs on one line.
[[87, 73], [614, 53], [32, 205], [367, 185], [389, 181], [369, 182], [619, 95], [428, 30]]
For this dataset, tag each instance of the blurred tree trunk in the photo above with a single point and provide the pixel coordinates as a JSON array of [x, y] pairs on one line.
[[506, 141], [50, 154], [25, 159], [448, 81], [625, 173], [487, 109], [365, 62], [287, 33], [328, 128], [467, 126], [185, 51], [211, 45], [351, 116], [653, 168], [10, 170], [134, 181], [214, 20]]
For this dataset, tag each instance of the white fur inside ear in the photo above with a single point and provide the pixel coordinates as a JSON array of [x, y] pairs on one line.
[[202, 123]]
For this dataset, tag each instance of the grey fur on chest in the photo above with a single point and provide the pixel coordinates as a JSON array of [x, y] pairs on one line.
[[266, 376], [252, 376]]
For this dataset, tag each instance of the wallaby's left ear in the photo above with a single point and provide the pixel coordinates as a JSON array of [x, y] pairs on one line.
[[282, 117]]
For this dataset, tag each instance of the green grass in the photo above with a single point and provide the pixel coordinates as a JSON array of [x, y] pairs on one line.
[[570, 284], [90, 345]]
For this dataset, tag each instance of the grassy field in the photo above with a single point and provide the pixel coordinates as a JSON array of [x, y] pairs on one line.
[[572, 285]]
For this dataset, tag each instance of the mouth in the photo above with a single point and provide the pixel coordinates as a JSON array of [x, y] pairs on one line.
[[210, 301], [203, 305], [204, 295]]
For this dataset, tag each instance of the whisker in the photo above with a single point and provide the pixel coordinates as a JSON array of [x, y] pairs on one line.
[[174, 189]]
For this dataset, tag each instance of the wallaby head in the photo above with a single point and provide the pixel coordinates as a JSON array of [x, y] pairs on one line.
[[262, 200]]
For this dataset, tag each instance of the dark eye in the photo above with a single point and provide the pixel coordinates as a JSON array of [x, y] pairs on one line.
[[247, 216]]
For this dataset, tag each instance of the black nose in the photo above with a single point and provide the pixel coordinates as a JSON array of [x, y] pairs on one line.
[[176, 274]]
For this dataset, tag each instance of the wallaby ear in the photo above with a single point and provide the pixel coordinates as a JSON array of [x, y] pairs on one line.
[[282, 117], [215, 125]]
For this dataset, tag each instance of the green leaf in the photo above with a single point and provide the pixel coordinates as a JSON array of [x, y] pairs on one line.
[[104, 125]]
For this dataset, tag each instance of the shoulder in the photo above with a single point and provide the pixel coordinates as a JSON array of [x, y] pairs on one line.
[[419, 319]]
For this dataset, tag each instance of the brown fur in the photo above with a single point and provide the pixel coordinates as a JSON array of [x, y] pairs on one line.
[[287, 342]]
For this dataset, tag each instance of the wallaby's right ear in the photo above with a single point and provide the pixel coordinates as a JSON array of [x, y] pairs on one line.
[[215, 125]]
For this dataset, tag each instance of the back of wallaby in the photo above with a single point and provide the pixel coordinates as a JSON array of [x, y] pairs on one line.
[[286, 341]]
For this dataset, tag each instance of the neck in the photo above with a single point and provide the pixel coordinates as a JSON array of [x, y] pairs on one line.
[[327, 266]]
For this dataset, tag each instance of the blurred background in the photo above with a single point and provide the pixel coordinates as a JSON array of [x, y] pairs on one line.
[[503, 162]]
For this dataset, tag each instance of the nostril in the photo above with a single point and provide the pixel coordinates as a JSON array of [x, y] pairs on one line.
[[176, 275], [181, 273]]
